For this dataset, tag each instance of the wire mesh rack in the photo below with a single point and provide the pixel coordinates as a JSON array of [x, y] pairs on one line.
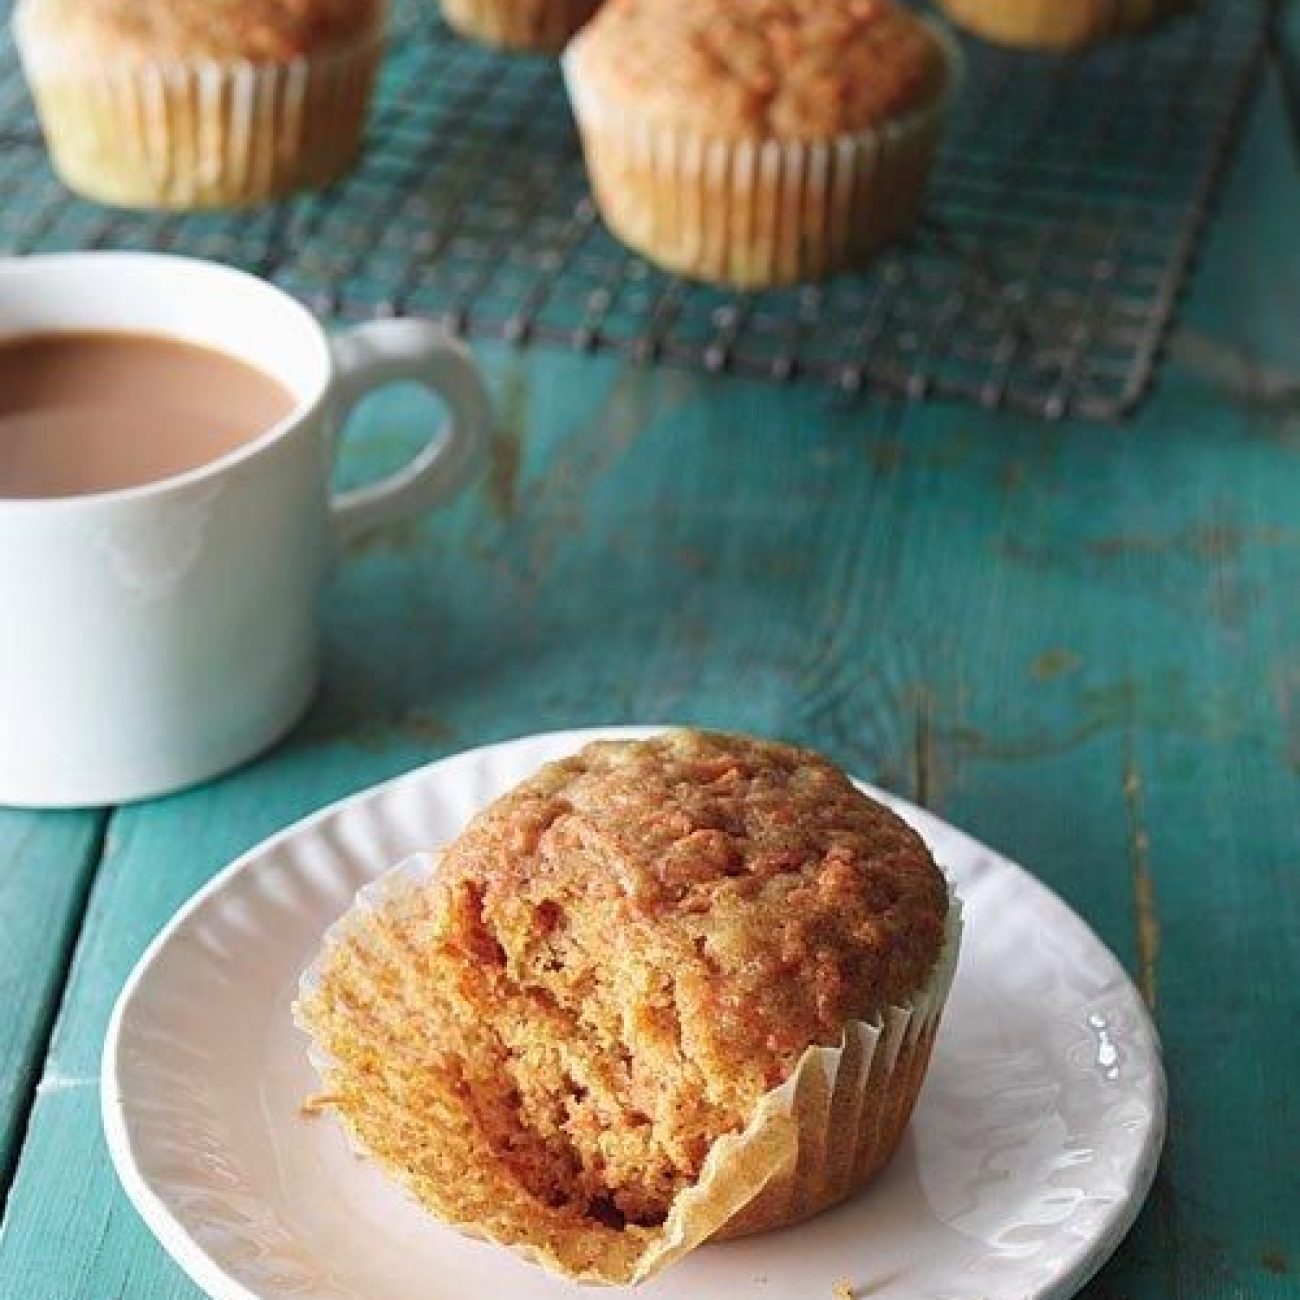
[[1063, 220]]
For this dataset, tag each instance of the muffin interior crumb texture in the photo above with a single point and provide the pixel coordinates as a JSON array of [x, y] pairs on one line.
[[790, 69], [612, 965]]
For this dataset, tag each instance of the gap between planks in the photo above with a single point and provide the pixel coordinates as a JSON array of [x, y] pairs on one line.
[[36, 1083]]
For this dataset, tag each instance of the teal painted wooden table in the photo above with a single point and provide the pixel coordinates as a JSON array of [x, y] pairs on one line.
[[1081, 643]]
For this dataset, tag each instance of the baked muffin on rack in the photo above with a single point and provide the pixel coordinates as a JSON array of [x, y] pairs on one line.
[[544, 25], [662, 991], [759, 142], [1058, 24], [200, 103]]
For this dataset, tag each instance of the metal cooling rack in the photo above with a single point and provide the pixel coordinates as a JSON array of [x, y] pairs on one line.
[[1064, 217]]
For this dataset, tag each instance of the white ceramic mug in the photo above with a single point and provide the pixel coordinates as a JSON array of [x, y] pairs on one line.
[[158, 635]]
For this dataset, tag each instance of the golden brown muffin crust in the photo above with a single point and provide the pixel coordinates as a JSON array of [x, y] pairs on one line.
[[643, 939], [519, 24], [764, 858], [261, 31], [790, 69]]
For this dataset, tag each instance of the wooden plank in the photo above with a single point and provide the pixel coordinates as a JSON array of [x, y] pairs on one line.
[[46, 863], [1121, 715], [1072, 640], [1224, 942], [1126, 683]]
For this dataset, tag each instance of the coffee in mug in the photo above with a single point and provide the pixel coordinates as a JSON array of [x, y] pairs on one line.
[[95, 411]]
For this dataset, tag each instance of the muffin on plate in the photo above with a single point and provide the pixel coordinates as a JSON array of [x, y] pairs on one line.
[[200, 103], [759, 142], [1058, 24], [544, 25], [662, 991]]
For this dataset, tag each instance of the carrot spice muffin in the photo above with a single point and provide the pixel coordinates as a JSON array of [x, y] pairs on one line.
[[662, 991], [200, 103], [1058, 24], [759, 142], [519, 24]]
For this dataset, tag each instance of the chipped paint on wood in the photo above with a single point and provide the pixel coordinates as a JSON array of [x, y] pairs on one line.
[[505, 451], [1054, 663]]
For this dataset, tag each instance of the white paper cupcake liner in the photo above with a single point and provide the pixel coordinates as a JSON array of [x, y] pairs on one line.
[[752, 213], [145, 134], [810, 1142], [850, 1104]]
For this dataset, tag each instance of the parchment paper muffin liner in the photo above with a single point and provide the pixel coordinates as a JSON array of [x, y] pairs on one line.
[[809, 1143], [176, 135], [753, 213], [544, 25], [1053, 25]]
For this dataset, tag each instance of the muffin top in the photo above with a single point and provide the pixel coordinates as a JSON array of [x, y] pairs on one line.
[[789, 69], [800, 902], [260, 31]]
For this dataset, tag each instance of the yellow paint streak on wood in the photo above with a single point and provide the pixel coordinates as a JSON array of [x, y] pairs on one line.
[[1144, 891]]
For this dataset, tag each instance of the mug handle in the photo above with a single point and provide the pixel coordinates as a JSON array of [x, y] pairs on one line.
[[385, 352]]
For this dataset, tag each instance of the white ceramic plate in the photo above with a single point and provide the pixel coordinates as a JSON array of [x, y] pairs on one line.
[[1033, 1145]]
